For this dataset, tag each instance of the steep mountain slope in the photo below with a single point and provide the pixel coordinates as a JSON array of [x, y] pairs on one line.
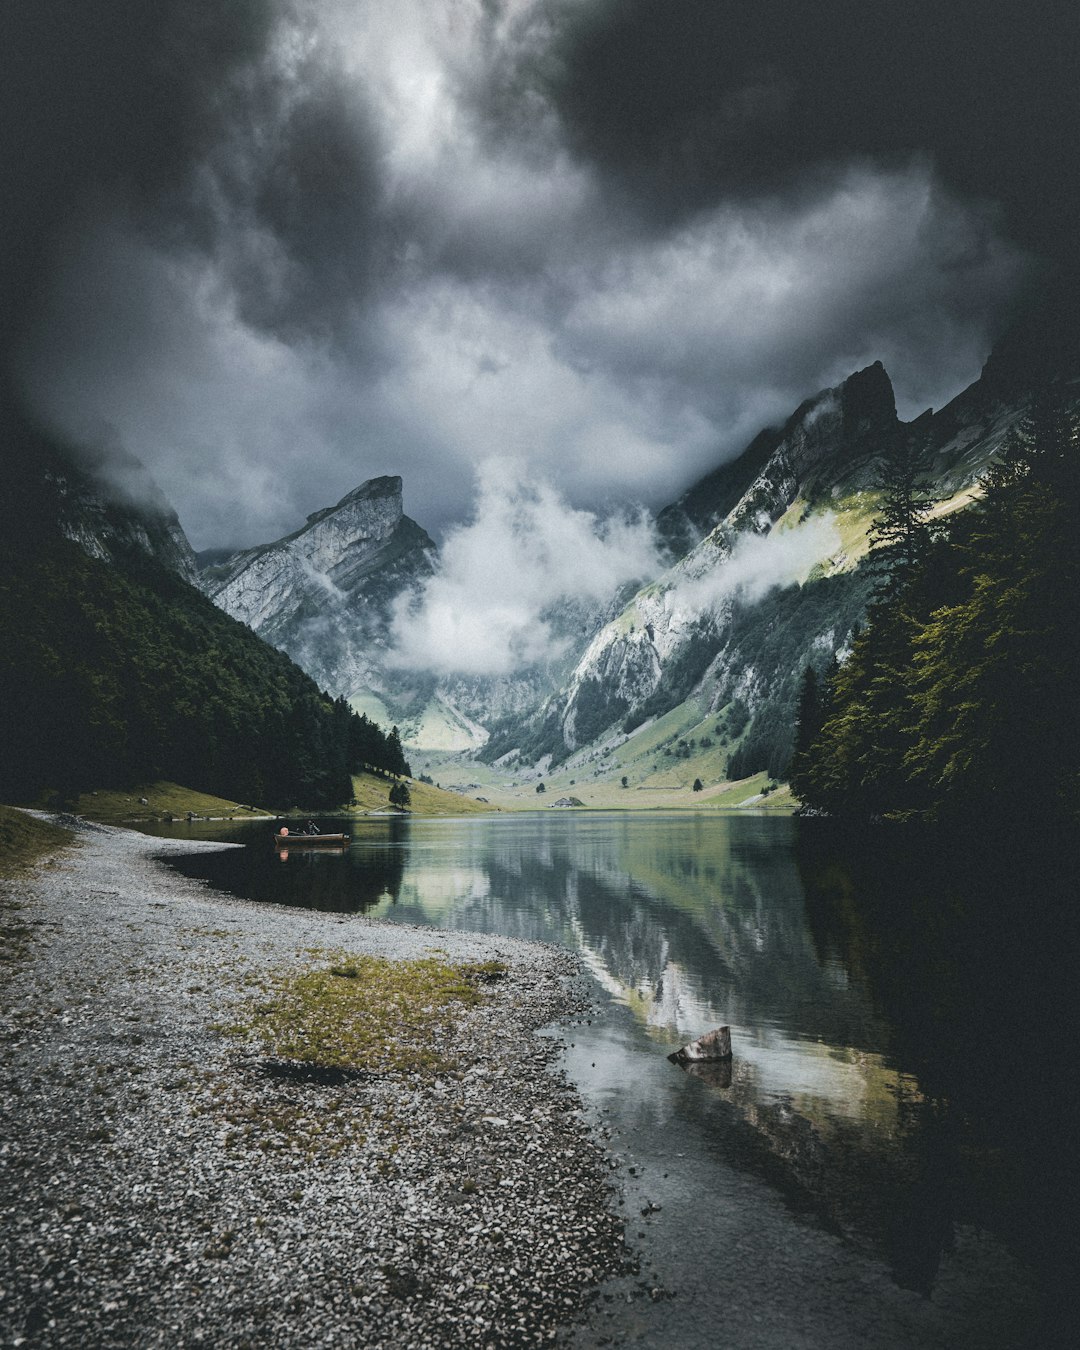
[[51, 489], [823, 440], [324, 593], [768, 576], [119, 671], [765, 575]]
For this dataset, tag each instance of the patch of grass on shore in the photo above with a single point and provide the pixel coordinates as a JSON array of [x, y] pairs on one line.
[[366, 1013], [372, 794], [119, 807], [23, 840], [351, 1017]]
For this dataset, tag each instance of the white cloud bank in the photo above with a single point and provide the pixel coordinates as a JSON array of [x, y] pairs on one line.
[[523, 551], [758, 563]]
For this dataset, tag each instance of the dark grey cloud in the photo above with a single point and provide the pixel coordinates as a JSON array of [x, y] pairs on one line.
[[123, 94], [276, 247], [690, 103]]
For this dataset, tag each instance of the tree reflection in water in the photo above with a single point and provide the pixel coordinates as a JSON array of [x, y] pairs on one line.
[[968, 957]]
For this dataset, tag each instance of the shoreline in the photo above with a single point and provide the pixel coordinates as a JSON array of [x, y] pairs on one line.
[[162, 1186]]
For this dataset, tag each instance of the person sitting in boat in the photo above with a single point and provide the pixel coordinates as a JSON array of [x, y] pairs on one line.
[[311, 828]]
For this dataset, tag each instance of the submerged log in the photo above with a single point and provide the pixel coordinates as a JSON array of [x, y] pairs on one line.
[[713, 1045]]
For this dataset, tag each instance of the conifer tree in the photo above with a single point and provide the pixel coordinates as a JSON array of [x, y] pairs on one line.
[[997, 672], [851, 760], [809, 718], [961, 699], [899, 536], [396, 762]]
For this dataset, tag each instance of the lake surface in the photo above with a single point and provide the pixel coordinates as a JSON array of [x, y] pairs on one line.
[[888, 1160]]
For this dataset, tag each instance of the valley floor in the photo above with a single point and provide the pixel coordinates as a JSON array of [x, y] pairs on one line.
[[473, 781], [163, 1184]]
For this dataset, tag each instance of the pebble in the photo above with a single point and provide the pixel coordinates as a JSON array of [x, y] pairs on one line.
[[160, 1188]]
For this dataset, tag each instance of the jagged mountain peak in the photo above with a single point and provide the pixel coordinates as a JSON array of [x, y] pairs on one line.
[[324, 593], [836, 421], [869, 400], [841, 419], [335, 540], [389, 486]]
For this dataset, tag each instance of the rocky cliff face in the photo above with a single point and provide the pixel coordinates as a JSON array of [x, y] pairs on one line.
[[103, 524], [689, 633], [108, 506], [831, 438], [827, 436], [324, 593]]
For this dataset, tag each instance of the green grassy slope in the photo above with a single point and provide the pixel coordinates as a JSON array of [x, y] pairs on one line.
[[23, 840], [371, 794], [125, 806]]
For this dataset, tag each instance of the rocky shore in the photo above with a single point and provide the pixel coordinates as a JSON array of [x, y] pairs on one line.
[[164, 1183]]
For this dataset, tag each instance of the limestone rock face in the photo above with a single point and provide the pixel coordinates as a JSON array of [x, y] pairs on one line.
[[825, 437], [108, 505], [686, 633], [324, 593], [100, 527]]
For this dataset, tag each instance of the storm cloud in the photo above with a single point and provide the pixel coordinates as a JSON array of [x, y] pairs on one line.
[[274, 248]]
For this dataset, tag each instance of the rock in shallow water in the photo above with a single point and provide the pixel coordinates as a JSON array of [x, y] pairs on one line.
[[713, 1045]]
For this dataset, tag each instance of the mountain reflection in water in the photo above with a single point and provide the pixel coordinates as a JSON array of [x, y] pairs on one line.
[[894, 1028]]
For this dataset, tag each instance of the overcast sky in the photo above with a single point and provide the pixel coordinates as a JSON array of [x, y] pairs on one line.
[[276, 247]]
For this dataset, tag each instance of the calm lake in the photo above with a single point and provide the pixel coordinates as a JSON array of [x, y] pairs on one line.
[[887, 1162]]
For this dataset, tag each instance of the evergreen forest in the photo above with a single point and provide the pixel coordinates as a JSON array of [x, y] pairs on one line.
[[116, 673], [958, 703]]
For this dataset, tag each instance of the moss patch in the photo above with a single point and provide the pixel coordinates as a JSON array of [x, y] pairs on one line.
[[365, 1014], [321, 1032]]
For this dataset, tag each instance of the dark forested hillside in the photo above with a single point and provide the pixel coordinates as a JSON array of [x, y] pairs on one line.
[[960, 701], [115, 670], [112, 675]]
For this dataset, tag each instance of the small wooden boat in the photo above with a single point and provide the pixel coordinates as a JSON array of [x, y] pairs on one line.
[[306, 840]]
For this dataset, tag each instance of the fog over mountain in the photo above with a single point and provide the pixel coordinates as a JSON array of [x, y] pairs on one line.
[[275, 249], [487, 611]]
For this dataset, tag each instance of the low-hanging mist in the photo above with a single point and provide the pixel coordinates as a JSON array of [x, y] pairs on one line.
[[758, 563], [487, 611]]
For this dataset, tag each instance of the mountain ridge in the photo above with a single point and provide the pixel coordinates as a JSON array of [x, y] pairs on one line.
[[824, 463], [78, 494], [861, 401], [324, 592], [804, 492]]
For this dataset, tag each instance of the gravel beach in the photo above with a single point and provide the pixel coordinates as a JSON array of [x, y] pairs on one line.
[[163, 1183]]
